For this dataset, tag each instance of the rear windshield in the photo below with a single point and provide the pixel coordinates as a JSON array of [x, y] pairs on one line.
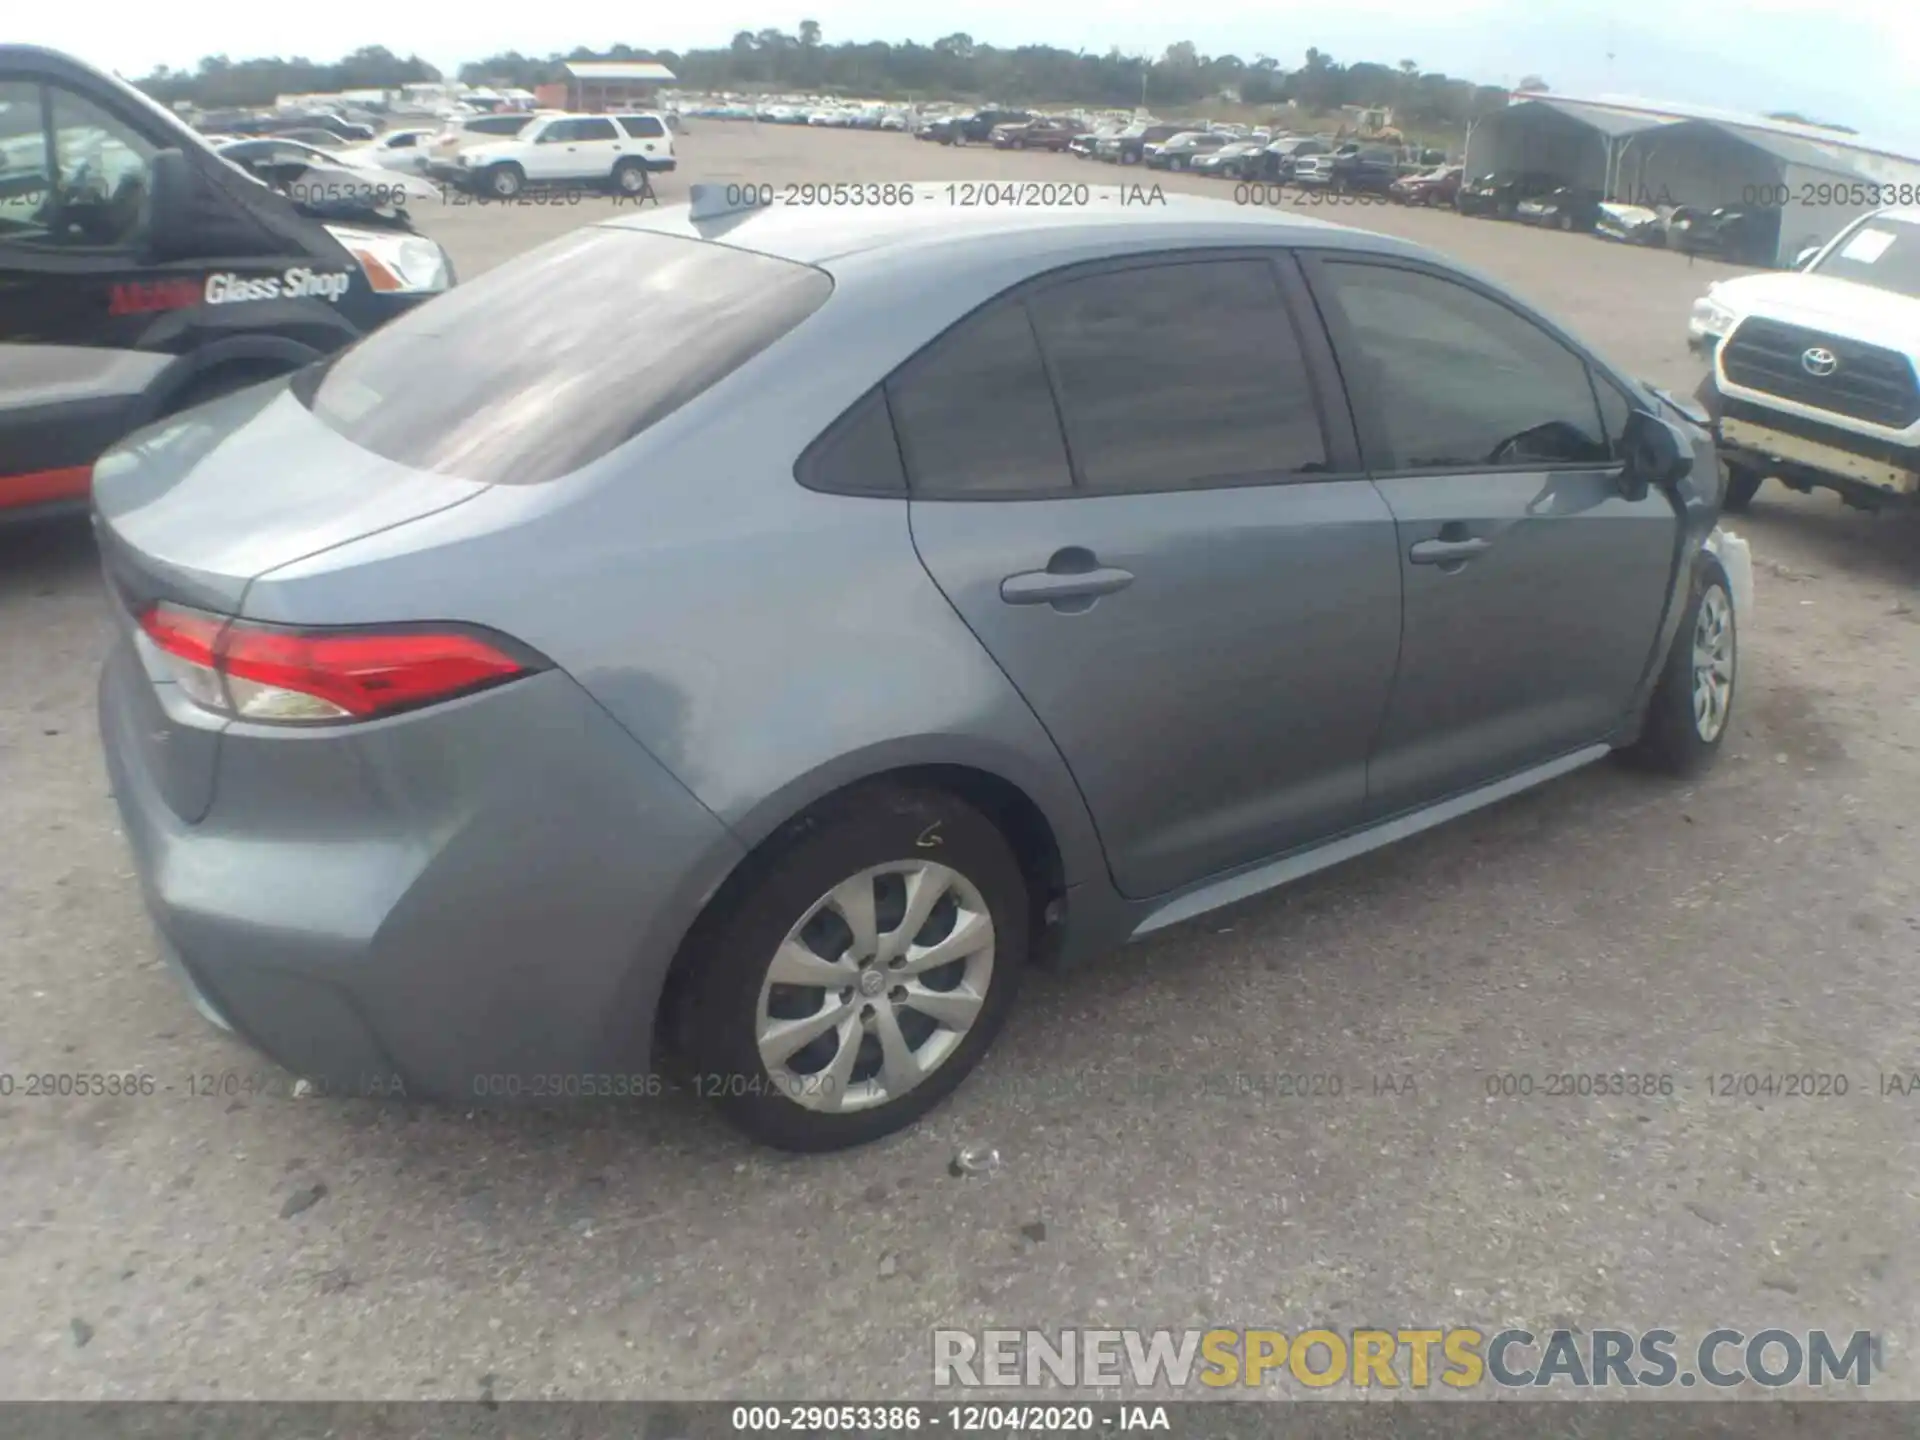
[[549, 361]]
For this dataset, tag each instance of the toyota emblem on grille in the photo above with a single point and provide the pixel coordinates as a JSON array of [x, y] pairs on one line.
[[1819, 361]]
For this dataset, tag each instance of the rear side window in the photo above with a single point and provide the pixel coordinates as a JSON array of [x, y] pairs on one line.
[[1180, 374], [975, 412], [546, 363], [643, 127], [858, 455]]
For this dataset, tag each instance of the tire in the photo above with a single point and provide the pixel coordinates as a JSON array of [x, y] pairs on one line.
[[868, 841], [217, 382], [1683, 732], [1743, 482], [505, 181], [1566, 223], [630, 177]]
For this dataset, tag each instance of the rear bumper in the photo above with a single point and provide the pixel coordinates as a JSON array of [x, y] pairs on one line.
[[474, 903]]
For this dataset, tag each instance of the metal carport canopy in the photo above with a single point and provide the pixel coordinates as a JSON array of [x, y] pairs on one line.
[[1708, 163], [1574, 140]]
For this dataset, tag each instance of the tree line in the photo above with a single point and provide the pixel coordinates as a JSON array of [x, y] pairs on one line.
[[218, 83], [954, 66]]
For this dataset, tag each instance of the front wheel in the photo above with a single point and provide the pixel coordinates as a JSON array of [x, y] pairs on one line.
[[505, 181], [1743, 483], [1693, 701], [858, 970]]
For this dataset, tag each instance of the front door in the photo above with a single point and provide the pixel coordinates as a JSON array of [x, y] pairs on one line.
[[1534, 587], [78, 300], [577, 149], [1168, 549]]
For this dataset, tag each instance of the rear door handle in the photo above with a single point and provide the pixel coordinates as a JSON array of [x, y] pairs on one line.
[[1053, 587], [1447, 552]]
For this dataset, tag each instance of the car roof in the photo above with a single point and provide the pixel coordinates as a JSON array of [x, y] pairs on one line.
[[923, 231]]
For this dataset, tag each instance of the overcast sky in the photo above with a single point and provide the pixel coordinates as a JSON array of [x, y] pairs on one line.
[[1850, 61]]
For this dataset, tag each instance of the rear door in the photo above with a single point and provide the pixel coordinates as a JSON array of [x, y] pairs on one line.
[[647, 137], [1139, 486], [1534, 588]]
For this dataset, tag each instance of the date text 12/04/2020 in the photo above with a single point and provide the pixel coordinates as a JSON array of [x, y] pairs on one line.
[[963, 194]]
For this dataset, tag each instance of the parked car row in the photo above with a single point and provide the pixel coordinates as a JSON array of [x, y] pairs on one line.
[[1739, 233]]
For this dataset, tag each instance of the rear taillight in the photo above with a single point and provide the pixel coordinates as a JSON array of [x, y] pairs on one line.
[[326, 676]]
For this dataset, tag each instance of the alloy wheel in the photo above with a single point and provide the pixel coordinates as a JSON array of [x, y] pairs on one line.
[[875, 986], [1713, 663]]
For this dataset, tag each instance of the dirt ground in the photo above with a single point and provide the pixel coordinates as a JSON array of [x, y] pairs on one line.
[[1763, 921]]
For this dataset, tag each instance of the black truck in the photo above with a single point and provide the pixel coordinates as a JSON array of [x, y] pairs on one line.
[[141, 274]]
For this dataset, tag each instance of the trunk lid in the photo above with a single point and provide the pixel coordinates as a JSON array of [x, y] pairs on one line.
[[191, 510]]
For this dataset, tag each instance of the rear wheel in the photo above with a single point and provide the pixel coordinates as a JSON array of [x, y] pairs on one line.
[[1693, 701], [1743, 483], [217, 382], [858, 971], [630, 177]]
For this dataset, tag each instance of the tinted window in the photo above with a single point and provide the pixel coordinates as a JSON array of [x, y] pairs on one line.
[[594, 130], [858, 454], [1178, 374], [79, 183], [643, 127], [1615, 412], [1456, 379], [498, 125], [975, 413], [549, 361]]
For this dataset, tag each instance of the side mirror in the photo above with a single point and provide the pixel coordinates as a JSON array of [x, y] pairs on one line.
[[1806, 257], [1658, 453]]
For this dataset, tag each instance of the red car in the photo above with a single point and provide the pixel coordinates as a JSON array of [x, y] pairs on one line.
[[1035, 135], [1435, 187]]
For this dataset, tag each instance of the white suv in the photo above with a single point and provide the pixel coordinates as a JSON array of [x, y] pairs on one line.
[[463, 132], [617, 150], [1814, 375]]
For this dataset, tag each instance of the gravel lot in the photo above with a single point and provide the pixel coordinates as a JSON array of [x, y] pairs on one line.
[[1765, 920]]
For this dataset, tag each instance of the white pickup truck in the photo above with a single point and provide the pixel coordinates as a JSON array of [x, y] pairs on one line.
[[1814, 370]]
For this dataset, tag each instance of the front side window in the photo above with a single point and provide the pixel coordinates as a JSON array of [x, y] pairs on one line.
[[75, 177], [1456, 380], [1179, 374]]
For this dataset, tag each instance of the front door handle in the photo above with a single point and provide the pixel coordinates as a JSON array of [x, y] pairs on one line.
[[1073, 580], [1448, 552]]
